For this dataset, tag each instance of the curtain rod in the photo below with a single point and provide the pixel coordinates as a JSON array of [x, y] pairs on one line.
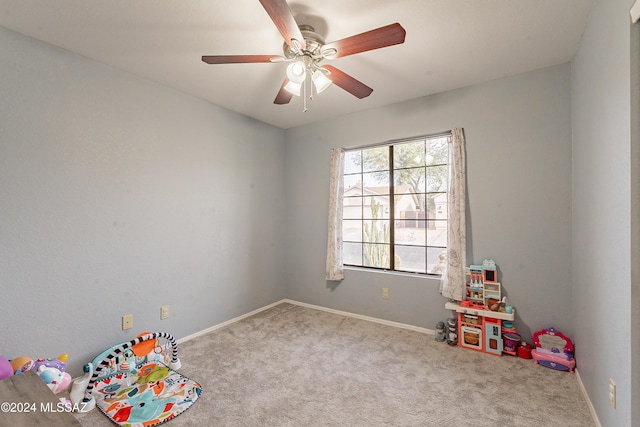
[[397, 141]]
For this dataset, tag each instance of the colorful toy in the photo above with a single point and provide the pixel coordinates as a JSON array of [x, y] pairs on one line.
[[155, 394], [511, 341], [55, 379], [21, 364], [553, 350], [60, 363], [489, 271], [482, 286], [133, 354], [524, 350], [493, 336], [5, 368]]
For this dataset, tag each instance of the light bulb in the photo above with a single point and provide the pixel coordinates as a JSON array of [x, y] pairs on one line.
[[296, 72], [293, 87], [320, 81]]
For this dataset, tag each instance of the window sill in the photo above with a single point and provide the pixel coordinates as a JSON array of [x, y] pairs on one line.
[[431, 278]]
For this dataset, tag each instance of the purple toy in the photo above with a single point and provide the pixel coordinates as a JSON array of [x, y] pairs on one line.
[[60, 363], [553, 350]]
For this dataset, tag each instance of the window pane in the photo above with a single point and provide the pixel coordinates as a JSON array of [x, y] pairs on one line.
[[376, 231], [352, 253], [376, 255], [352, 208], [411, 258], [409, 180], [437, 178], [437, 233], [352, 185], [376, 182], [376, 207], [375, 159], [438, 151], [436, 259], [352, 230], [352, 162], [436, 206], [409, 155], [410, 231], [409, 202]]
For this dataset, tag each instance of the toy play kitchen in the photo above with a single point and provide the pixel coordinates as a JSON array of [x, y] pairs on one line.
[[485, 323]]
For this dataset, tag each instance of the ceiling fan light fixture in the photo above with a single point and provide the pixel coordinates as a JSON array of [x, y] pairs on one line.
[[320, 80], [296, 72], [293, 88]]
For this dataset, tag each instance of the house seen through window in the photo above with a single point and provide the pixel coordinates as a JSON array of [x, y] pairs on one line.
[[395, 205]]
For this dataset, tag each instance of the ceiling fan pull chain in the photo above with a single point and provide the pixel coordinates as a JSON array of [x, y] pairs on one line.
[[304, 96]]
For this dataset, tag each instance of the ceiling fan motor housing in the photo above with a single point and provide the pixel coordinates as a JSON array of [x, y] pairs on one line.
[[313, 41]]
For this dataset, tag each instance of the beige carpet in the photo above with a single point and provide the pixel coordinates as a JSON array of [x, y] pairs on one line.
[[295, 366]]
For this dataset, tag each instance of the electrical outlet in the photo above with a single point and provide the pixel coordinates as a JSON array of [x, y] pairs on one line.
[[612, 393], [164, 312], [385, 293], [127, 322]]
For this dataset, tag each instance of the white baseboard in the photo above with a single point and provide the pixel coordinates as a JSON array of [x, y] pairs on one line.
[[228, 322], [592, 410], [315, 307], [362, 317]]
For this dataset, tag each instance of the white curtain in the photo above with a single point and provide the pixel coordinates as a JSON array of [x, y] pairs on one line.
[[335, 271], [452, 284]]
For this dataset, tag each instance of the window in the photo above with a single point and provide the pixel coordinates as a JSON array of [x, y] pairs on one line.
[[409, 234]]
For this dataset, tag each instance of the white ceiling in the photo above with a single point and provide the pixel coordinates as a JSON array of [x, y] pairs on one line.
[[449, 44]]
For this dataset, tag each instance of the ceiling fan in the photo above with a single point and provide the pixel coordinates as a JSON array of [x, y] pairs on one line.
[[305, 50]]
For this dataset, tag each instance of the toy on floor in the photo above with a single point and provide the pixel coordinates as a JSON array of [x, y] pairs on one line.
[[452, 335], [52, 372], [5, 368], [440, 335], [78, 388], [54, 378], [524, 350], [553, 350], [22, 364], [60, 363], [135, 384]]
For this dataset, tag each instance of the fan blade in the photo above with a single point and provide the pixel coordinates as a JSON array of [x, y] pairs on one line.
[[375, 39], [283, 96], [348, 83], [282, 17], [240, 59]]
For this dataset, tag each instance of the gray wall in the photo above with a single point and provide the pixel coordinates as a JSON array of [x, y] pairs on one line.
[[635, 221], [117, 196], [602, 203], [518, 135]]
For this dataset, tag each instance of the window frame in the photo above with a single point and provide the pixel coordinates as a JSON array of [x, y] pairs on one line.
[[393, 218]]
